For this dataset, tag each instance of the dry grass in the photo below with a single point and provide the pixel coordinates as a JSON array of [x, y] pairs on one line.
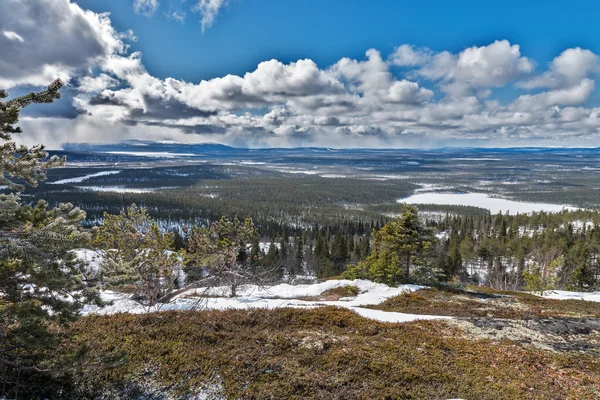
[[324, 353], [334, 294], [479, 302]]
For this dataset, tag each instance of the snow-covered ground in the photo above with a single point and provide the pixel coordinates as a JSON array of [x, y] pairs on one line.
[[282, 295], [151, 154], [85, 177], [566, 295], [121, 189], [92, 259], [482, 200]]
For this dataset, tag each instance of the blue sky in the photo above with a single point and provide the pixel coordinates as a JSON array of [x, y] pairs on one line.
[[247, 32], [346, 73]]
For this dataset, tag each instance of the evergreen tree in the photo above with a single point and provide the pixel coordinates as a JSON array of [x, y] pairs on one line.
[[339, 253], [42, 284], [218, 248], [454, 263], [299, 256], [20, 162], [283, 250], [135, 252], [467, 251], [396, 247]]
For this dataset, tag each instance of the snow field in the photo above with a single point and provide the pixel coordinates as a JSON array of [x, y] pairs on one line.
[[278, 296]]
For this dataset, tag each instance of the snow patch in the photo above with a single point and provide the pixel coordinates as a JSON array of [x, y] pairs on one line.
[[567, 295], [482, 200], [121, 189], [83, 178], [282, 295]]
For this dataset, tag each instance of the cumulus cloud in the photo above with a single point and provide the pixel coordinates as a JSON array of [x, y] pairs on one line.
[[474, 68], [573, 95], [96, 83], [146, 8], [568, 69], [411, 97], [209, 9], [56, 38], [410, 56], [371, 79]]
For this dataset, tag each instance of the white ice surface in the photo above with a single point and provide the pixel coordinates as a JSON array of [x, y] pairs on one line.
[[120, 189], [482, 200]]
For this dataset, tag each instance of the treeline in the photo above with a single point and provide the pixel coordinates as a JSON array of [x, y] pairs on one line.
[[503, 250], [560, 250], [290, 200], [328, 222], [322, 251]]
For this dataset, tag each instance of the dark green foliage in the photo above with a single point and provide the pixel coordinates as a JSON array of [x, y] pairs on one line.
[[42, 284], [454, 263], [136, 252], [397, 246], [222, 251], [20, 162], [298, 267]]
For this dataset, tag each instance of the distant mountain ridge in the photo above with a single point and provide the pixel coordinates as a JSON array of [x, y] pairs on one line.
[[148, 146], [143, 146]]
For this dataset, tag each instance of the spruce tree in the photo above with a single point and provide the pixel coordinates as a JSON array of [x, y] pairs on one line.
[[299, 255], [397, 246], [454, 263]]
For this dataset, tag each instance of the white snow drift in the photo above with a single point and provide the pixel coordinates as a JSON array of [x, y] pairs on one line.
[[282, 295]]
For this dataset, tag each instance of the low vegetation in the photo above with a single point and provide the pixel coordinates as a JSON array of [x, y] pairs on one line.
[[318, 353], [335, 294], [314, 225], [481, 302]]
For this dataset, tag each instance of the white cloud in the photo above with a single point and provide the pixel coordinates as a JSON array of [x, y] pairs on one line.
[[209, 9], [408, 92], [409, 56], [373, 80], [435, 98], [176, 15], [146, 8], [476, 68], [573, 95], [492, 66], [10, 35], [96, 83], [566, 70], [58, 39]]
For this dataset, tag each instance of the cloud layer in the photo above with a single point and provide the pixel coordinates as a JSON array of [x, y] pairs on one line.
[[414, 97]]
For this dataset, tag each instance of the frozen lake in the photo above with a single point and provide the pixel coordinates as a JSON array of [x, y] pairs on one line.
[[482, 200]]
